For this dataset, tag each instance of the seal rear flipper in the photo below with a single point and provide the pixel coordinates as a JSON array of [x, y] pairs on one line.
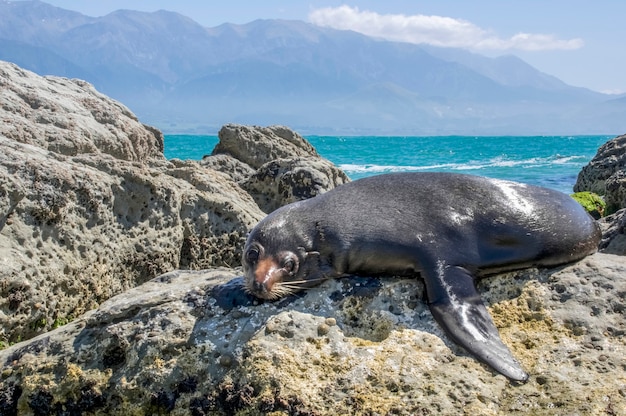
[[458, 308]]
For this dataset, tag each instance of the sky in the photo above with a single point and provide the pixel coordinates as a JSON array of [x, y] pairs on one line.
[[580, 42]]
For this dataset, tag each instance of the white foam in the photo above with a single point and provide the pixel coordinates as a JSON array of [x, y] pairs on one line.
[[496, 162]]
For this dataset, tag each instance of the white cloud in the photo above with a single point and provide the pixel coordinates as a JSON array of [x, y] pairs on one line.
[[614, 91], [432, 30]]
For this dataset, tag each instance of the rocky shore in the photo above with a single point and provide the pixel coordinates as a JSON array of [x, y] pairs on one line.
[[120, 288]]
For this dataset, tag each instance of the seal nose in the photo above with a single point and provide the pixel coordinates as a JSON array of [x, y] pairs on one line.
[[259, 287]]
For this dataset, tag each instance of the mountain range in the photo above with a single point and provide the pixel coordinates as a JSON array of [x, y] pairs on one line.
[[183, 77]]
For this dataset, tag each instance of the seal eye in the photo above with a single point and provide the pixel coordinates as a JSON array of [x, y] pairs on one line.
[[252, 255], [289, 265]]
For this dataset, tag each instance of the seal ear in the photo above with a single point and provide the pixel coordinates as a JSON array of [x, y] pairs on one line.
[[313, 266], [458, 308]]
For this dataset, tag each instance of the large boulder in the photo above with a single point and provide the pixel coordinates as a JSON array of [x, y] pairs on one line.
[[194, 343], [275, 165], [256, 146], [69, 117], [89, 207], [605, 174]]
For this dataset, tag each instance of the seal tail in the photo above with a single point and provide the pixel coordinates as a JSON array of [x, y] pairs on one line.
[[458, 308]]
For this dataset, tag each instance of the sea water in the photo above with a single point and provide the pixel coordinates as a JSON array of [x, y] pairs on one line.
[[550, 161]]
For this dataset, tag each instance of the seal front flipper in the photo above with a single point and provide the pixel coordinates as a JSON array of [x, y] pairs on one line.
[[458, 308]]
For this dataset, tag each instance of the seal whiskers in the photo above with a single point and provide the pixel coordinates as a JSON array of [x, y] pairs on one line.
[[283, 288]]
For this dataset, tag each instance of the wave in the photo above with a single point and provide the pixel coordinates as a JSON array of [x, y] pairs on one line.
[[497, 162]]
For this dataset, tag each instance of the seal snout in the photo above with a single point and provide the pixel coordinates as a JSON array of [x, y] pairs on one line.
[[264, 276]]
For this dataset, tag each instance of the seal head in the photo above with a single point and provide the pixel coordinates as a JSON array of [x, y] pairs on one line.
[[277, 262]]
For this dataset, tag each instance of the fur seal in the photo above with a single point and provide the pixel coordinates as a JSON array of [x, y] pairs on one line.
[[447, 228]]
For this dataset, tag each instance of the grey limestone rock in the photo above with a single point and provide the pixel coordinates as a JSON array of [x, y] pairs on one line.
[[195, 343], [69, 117], [283, 166], [256, 146], [605, 174], [614, 233], [89, 207], [284, 181], [615, 196]]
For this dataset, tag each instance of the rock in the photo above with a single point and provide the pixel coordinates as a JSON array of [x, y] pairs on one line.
[[79, 230], [195, 343], [69, 117], [89, 207], [235, 168], [615, 196], [605, 174], [256, 146], [614, 233], [282, 166], [284, 181]]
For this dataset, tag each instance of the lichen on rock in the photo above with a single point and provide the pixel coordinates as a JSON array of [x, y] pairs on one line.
[[593, 203]]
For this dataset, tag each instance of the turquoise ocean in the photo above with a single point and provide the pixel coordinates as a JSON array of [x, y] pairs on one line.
[[550, 161]]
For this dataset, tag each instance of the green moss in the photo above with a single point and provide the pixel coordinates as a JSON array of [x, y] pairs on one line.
[[38, 324], [62, 321], [593, 203]]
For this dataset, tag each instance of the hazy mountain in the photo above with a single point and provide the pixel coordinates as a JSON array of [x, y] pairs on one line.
[[178, 75], [36, 22], [40, 60]]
